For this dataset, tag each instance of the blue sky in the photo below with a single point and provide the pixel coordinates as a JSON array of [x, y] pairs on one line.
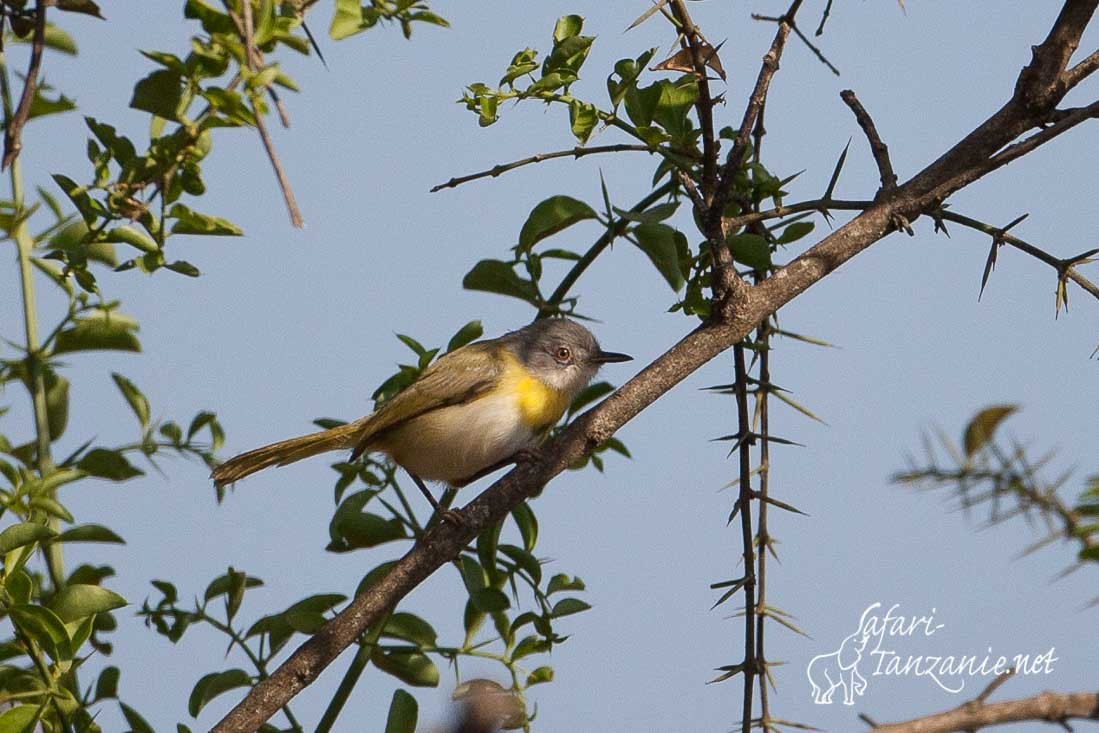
[[288, 325]]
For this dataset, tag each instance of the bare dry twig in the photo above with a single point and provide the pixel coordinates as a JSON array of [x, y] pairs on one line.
[[13, 136], [805, 39], [878, 148]]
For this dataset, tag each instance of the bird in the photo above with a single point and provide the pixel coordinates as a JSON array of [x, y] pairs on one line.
[[477, 409]]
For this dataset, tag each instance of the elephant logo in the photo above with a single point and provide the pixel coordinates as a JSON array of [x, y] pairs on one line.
[[826, 672]]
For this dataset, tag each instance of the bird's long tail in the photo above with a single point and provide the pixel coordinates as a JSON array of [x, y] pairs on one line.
[[343, 437]]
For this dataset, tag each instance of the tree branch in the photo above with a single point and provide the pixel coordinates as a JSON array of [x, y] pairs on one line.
[[804, 38], [252, 55], [879, 149], [13, 136], [1082, 70], [736, 312], [1049, 707], [577, 152]]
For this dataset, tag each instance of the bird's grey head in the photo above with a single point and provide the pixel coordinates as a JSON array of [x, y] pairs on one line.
[[562, 353]]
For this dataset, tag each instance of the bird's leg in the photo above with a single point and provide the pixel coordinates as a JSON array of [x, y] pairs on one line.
[[523, 455], [451, 516]]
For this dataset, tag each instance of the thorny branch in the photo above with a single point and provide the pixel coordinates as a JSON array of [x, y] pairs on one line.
[[738, 309], [879, 149]]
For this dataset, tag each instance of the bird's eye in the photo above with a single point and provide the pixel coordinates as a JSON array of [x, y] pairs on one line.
[[563, 354]]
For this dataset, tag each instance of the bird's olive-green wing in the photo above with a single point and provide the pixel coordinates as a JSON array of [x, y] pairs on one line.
[[460, 376]]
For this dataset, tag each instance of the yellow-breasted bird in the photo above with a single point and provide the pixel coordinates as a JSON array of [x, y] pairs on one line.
[[474, 410]]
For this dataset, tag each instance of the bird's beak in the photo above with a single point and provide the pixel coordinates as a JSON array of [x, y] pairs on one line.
[[609, 357]]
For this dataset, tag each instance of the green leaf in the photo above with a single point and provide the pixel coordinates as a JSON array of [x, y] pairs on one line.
[[540, 675], [192, 222], [137, 401], [105, 331], [567, 26], [583, 118], [89, 208], [224, 584], [980, 429], [410, 627], [107, 684], [347, 20], [490, 600], [569, 606], [24, 533], [796, 231], [751, 250], [652, 215], [19, 586], [527, 523], [87, 7], [522, 63], [663, 245], [108, 464], [362, 529], [44, 627], [214, 684], [75, 602], [403, 713], [467, 333], [160, 93], [41, 105], [412, 668], [183, 267], [133, 237], [90, 533], [494, 276], [562, 582], [57, 403], [137, 723], [19, 719], [551, 216], [529, 645]]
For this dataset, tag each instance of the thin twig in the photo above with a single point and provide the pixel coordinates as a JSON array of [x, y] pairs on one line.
[[812, 47], [879, 149], [994, 685], [261, 126], [1082, 70], [1061, 266], [284, 118], [577, 152], [13, 136], [1063, 120], [824, 18]]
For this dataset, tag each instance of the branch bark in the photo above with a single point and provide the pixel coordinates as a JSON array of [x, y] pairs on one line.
[[739, 310], [1050, 707], [13, 136]]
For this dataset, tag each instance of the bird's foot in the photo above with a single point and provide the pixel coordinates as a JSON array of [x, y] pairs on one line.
[[453, 517]]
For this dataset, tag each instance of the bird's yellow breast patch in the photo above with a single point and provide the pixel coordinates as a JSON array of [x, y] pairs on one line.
[[540, 405]]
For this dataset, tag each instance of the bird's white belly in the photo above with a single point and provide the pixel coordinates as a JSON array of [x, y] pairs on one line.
[[452, 444]]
